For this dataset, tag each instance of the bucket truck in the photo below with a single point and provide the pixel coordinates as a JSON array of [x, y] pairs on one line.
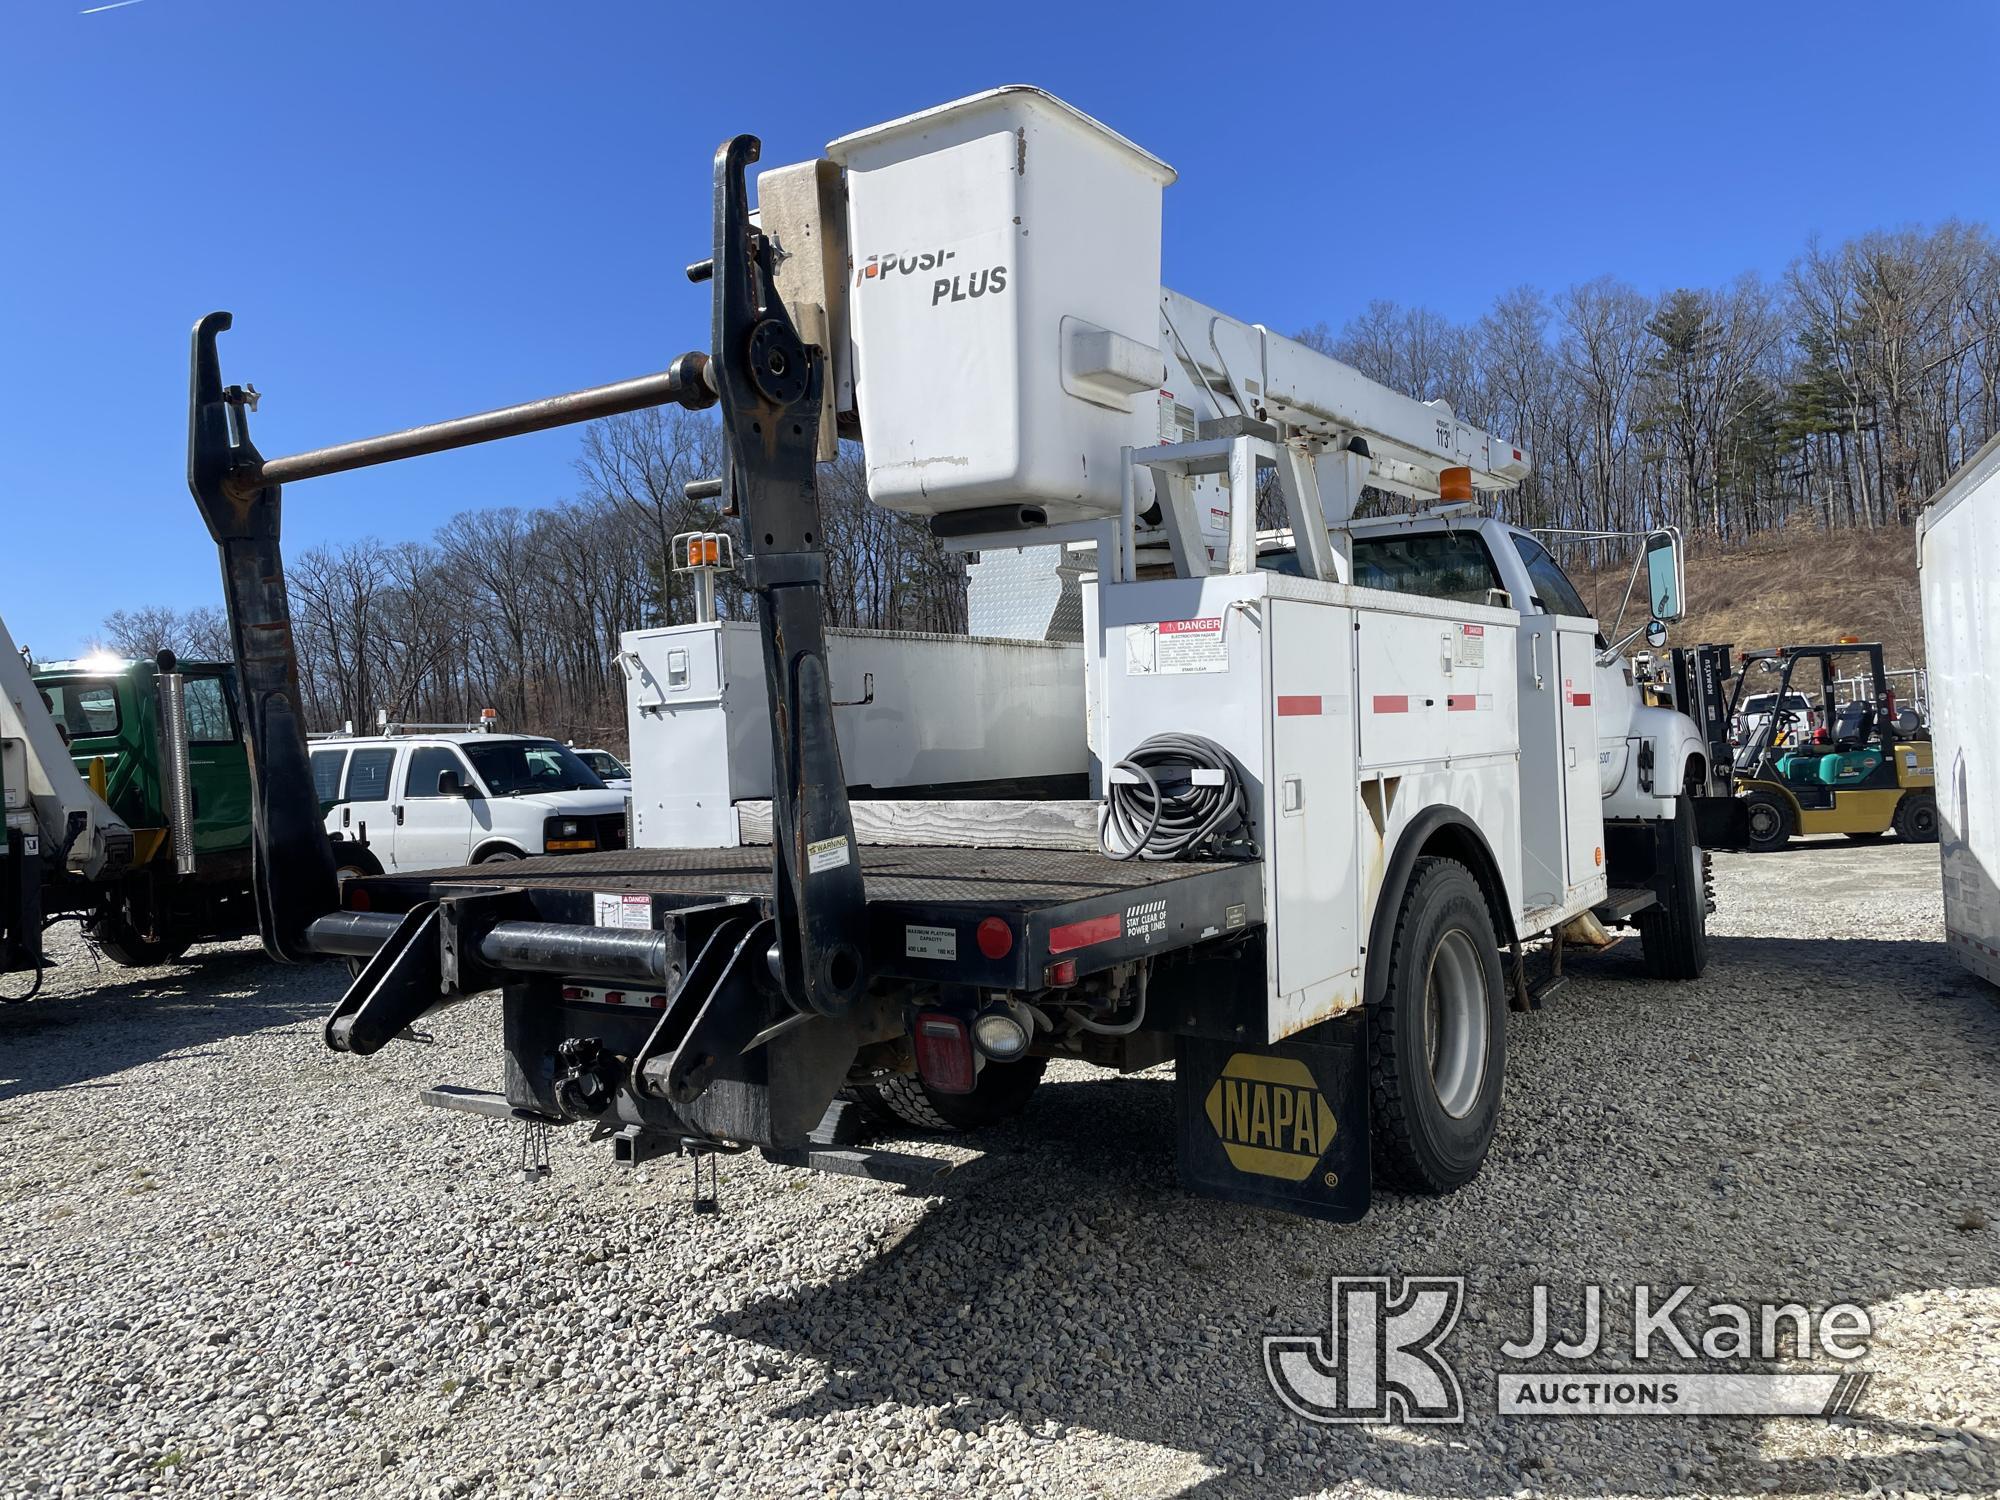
[[1328, 818]]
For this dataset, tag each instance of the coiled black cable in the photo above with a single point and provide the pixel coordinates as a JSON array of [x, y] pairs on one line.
[[1164, 813]]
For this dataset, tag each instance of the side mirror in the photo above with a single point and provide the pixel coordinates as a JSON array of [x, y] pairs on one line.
[[1665, 579], [449, 784], [1656, 633]]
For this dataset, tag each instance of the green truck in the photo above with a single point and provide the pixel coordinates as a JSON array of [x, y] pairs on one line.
[[112, 713]]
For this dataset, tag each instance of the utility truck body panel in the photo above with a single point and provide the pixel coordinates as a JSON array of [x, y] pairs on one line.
[[916, 715], [1958, 561]]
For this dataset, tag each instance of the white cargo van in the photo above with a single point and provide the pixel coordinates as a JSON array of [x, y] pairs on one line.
[[429, 801]]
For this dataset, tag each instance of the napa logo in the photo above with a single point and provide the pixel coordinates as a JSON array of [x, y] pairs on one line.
[[1271, 1116]]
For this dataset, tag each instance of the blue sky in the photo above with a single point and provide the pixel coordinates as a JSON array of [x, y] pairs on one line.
[[422, 209]]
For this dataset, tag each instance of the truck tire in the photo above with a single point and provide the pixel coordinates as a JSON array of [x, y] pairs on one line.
[[1673, 935], [1770, 821], [1916, 818], [1001, 1093], [351, 859], [1438, 1039], [125, 946]]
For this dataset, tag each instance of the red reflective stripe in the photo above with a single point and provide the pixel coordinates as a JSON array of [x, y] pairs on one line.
[[1391, 705], [1294, 707], [1459, 703], [1072, 935]]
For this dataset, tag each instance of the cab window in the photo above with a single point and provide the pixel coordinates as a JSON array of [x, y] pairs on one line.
[[1554, 593], [1451, 565], [368, 776], [427, 763], [84, 709], [209, 718]]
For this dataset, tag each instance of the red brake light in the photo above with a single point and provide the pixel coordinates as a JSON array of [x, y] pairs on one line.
[[995, 938], [1057, 975], [944, 1052]]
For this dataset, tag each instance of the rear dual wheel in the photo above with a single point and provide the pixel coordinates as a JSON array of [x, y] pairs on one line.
[[130, 948], [1000, 1092], [1438, 1039]]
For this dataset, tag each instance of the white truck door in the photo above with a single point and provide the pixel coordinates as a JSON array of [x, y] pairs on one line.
[[1583, 798], [1544, 777], [1316, 872], [433, 830], [365, 804]]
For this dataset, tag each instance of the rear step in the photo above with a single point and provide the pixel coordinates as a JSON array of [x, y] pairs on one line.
[[1621, 902]]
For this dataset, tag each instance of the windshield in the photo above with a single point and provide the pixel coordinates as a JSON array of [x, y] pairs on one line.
[[511, 767], [603, 762], [1443, 565], [82, 709]]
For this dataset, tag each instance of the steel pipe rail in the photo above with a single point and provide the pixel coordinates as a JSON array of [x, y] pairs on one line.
[[687, 382], [537, 947], [577, 952], [350, 934]]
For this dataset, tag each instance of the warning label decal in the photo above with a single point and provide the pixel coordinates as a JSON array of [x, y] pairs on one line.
[[1176, 647]]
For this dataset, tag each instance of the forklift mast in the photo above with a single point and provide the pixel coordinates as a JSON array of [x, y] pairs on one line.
[[768, 383]]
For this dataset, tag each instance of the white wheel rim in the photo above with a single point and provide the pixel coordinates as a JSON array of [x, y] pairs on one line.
[[1455, 1023]]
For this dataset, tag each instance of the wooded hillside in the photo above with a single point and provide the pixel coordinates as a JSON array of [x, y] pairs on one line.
[[1791, 428]]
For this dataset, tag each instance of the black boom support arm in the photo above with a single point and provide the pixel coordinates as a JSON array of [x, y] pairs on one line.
[[768, 383]]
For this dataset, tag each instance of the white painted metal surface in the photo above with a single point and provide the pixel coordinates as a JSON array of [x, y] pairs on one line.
[[1006, 253], [1958, 563], [911, 711], [43, 784], [1274, 669]]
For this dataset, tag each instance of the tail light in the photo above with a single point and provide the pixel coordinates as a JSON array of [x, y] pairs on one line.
[[944, 1053]]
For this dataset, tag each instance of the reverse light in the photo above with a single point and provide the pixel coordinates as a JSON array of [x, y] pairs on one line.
[[1002, 1031], [944, 1053]]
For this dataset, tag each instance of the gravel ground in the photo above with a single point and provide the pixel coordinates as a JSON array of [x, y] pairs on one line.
[[232, 1263]]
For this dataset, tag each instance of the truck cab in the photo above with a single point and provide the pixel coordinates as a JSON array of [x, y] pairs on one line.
[[1647, 756], [107, 709]]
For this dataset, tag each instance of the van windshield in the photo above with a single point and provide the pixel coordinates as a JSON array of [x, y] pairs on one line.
[[512, 767]]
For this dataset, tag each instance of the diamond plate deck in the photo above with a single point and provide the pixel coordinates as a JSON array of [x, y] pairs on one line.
[[1002, 878]]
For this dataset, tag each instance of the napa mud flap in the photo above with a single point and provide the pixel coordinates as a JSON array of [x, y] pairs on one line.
[[1282, 1127]]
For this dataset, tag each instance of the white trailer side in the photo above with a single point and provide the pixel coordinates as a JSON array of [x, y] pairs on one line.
[[1958, 562]]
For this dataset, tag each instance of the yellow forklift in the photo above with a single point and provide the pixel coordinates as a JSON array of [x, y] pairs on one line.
[[1864, 770]]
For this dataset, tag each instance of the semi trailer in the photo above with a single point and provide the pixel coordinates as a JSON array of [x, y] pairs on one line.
[[1328, 819], [1958, 557]]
